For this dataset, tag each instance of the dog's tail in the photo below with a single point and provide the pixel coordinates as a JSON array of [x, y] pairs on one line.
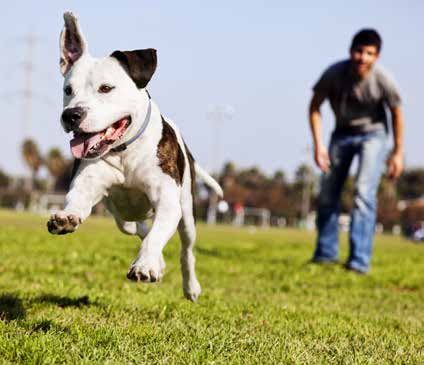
[[208, 180]]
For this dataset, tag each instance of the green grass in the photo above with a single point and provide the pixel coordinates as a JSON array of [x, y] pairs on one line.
[[65, 299]]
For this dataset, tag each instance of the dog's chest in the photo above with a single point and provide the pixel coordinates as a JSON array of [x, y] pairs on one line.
[[131, 204]]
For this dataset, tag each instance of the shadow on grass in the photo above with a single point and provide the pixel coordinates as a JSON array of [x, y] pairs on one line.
[[11, 307], [45, 325], [64, 302]]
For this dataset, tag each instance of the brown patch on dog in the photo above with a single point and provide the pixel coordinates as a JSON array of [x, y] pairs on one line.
[[170, 155], [192, 175]]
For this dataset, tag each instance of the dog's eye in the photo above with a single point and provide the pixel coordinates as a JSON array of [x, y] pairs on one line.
[[104, 89], [67, 90]]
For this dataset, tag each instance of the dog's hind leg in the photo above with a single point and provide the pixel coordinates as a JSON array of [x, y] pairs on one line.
[[140, 229], [149, 264], [132, 228], [126, 227], [187, 232]]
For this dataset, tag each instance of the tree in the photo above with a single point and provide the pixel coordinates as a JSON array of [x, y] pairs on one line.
[[63, 181], [387, 211], [276, 195], [251, 178], [229, 169], [32, 158], [411, 184], [4, 179], [228, 175], [303, 186], [279, 177], [55, 163]]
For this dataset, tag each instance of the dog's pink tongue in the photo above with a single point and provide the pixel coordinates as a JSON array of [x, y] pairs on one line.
[[81, 145]]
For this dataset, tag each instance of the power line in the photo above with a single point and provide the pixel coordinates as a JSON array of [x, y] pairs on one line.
[[30, 42]]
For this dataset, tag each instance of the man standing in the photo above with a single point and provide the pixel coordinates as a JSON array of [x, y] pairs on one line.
[[358, 91]]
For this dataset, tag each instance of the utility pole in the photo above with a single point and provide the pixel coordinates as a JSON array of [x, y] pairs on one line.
[[307, 182], [30, 42], [217, 114]]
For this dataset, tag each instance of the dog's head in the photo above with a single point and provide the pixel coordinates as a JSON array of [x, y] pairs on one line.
[[101, 97]]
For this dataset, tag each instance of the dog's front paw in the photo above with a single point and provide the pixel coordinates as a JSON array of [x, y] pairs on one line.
[[62, 223], [147, 270]]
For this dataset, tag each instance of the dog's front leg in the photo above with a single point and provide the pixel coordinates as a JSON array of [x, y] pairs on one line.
[[87, 189], [150, 265]]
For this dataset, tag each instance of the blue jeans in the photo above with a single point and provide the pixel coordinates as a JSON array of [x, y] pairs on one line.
[[371, 149]]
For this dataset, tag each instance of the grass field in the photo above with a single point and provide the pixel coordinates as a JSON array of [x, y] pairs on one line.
[[65, 299]]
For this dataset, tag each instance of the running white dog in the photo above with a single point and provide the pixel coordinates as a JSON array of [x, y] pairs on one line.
[[129, 155]]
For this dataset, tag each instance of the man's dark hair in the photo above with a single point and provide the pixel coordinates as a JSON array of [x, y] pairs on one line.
[[367, 37]]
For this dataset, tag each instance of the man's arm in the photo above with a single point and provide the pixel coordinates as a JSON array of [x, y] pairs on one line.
[[395, 163], [321, 157]]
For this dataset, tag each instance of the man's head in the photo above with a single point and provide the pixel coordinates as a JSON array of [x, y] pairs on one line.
[[364, 51]]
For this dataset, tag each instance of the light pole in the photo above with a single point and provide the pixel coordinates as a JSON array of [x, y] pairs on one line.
[[308, 180], [30, 41], [218, 115]]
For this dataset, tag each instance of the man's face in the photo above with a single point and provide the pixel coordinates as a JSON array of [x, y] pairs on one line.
[[363, 58]]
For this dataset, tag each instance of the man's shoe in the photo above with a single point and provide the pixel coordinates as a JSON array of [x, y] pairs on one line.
[[355, 270]]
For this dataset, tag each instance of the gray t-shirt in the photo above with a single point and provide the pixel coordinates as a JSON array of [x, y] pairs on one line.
[[358, 105]]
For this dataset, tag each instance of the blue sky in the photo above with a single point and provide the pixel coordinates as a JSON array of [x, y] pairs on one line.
[[260, 58]]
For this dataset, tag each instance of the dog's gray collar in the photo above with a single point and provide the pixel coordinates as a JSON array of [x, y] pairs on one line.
[[123, 146]]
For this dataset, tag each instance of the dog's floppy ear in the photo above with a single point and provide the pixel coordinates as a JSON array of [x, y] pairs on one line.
[[140, 64], [72, 43]]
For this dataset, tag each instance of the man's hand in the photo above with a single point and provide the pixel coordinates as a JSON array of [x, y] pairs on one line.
[[395, 162], [322, 159], [395, 165]]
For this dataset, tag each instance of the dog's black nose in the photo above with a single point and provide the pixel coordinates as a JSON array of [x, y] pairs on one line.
[[72, 117]]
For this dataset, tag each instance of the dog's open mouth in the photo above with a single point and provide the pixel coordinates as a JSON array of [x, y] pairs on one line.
[[91, 145]]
